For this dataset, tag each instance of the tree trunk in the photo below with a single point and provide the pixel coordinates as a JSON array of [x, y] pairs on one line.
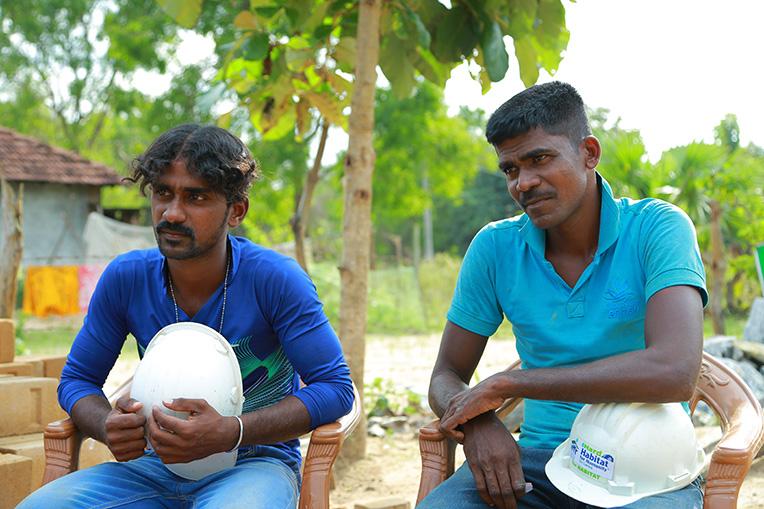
[[429, 248], [732, 307], [416, 245], [299, 221], [356, 229], [11, 246], [397, 242], [718, 267]]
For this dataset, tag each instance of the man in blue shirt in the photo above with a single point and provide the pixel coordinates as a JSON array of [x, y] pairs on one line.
[[261, 301], [605, 297]]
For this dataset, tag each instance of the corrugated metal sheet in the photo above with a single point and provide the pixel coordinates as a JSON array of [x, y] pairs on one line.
[[25, 159]]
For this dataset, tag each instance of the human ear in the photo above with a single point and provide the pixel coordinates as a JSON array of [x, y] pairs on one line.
[[592, 151], [238, 212]]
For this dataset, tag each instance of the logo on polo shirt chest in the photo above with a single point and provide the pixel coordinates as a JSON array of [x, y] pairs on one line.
[[621, 302]]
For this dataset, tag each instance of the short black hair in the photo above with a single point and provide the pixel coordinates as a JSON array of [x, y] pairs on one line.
[[555, 107], [210, 152]]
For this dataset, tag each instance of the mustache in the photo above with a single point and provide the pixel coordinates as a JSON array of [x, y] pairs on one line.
[[533, 195], [173, 227]]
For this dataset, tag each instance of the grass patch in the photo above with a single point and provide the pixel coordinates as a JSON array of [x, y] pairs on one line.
[[733, 326], [58, 340], [55, 341]]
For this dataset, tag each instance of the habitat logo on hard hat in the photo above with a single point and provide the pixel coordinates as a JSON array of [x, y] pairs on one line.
[[592, 462]]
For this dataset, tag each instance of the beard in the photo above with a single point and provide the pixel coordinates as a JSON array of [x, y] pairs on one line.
[[186, 247]]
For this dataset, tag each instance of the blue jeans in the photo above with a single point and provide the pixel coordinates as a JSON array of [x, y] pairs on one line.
[[459, 492], [254, 483]]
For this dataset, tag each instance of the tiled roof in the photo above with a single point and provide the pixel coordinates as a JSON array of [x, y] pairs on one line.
[[25, 159]]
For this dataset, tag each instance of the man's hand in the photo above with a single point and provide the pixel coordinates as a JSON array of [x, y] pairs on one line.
[[180, 441], [494, 459], [468, 404], [124, 429]]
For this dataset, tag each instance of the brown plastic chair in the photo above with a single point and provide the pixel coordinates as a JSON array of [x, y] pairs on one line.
[[741, 421], [63, 440]]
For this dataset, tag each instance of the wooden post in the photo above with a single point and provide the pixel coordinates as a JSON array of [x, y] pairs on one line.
[[11, 245], [356, 230]]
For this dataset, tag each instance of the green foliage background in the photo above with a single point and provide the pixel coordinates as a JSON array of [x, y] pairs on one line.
[[283, 66]]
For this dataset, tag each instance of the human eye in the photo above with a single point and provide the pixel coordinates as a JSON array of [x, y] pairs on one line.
[[197, 197], [540, 158], [509, 171]]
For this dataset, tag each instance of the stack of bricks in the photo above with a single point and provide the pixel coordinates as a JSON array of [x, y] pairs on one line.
[[28, 402]]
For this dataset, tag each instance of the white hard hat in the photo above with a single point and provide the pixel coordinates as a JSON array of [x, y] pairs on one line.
[[618, 453], [190, 360]]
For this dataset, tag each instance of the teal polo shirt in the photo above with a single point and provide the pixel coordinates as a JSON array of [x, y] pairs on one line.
[[644, 247]]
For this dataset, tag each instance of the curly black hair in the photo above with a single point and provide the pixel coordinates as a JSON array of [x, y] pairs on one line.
[[210, 152], [555, 107]]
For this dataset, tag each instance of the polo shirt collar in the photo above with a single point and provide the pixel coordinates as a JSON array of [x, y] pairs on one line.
[[610, 223], [610, 217]]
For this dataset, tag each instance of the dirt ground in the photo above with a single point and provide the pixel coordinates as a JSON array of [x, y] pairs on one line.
[[392, 465]]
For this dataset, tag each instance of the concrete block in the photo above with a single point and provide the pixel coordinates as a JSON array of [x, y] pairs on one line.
[[29, 446], [720, 346], [38, 367], [17, 368], [94, 452], [15, 479], [7, 340], [28, 404], [753, 350], [750, 375], [32, 446], [46, 366], [387, 503]]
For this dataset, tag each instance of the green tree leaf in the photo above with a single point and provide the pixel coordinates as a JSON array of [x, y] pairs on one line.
[[245, 20], [522, 17], [283, 125], [415, 24], [455, 35], [184, 12], [396, 64], [344, 54], [256, 47], [527, 58], [298, 59], [494, 53], [327, 105], [429, 67]]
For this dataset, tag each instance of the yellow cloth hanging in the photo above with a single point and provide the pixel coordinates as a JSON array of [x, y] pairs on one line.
[[51, 291]]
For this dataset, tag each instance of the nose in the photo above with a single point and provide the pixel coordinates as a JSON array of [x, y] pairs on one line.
[[174, 212], [526, 181]]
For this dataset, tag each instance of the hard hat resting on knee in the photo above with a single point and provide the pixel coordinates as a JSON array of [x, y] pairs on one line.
[[618, 453]]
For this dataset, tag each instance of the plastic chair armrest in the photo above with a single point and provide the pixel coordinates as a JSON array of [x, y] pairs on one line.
[[323, 448], [62, 442], [437, 454]]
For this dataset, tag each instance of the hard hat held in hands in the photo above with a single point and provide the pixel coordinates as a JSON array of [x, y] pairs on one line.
[[618, 453], [190, 360]]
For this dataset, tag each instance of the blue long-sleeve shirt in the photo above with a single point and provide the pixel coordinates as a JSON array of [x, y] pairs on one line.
[[273, 319]]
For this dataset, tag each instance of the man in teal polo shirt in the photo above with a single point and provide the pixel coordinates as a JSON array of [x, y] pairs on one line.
[[605, 297]]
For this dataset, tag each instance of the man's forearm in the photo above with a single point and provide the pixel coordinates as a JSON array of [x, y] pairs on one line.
[[287, 419], [444, 385], [643, 375], [89, 414]]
